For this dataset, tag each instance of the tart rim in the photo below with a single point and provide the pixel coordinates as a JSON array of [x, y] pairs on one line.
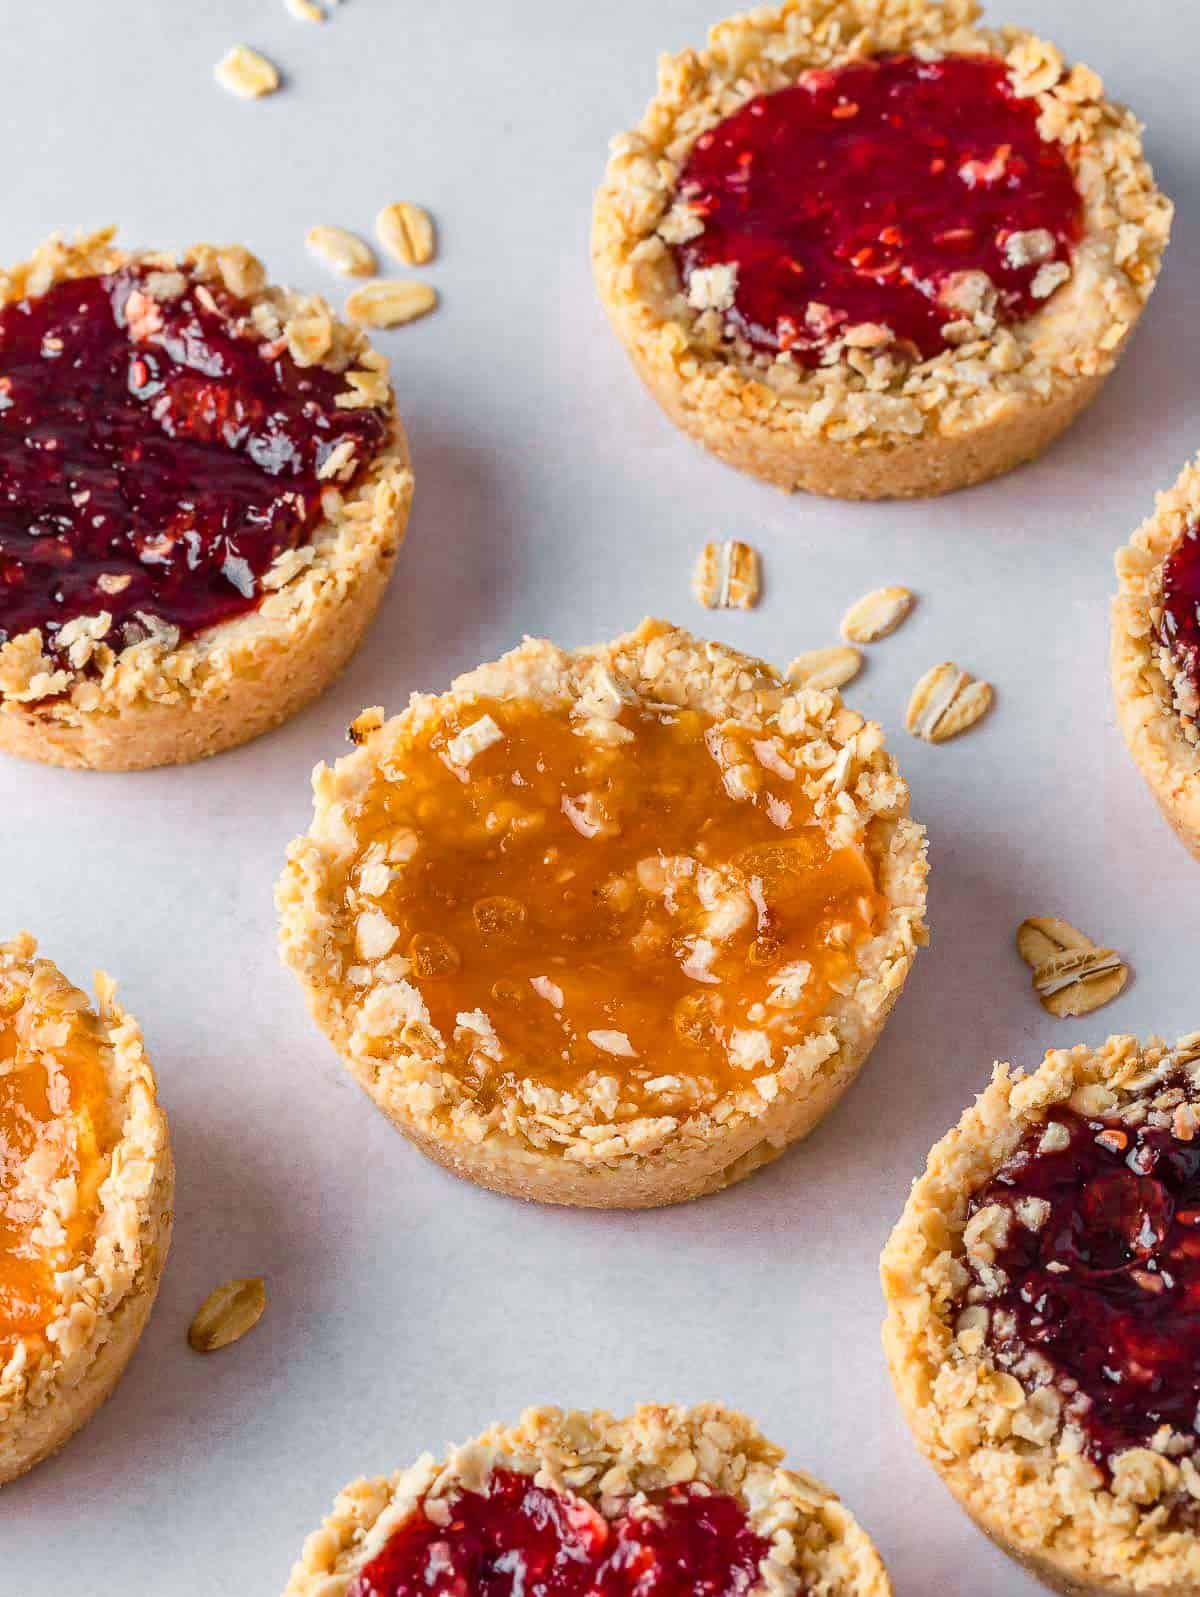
[[48, 1391], [688, 1156], [1046, 1506], [64, 716], [845, 429], [1146, 699], [655, 1446]]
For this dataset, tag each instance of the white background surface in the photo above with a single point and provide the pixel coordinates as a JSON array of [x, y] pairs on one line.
[[408, 1309]]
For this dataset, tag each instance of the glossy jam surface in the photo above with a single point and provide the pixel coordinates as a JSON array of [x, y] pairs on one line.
[[1181, 603], [569, 906], [54, 1125], [856, 196], [1108, 1285], [156, 455], [515, 1539]]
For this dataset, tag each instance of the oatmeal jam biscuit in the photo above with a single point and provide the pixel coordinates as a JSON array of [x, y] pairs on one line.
[[1043, 1328], [871, 249], [1156, 652], [86, 1184], [610, 927], [677, 1501], [203, 487]]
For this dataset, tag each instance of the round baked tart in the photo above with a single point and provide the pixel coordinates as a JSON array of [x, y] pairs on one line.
[[203, 487], [609, 927], [868, 248], [86, 1183], [674, 1501], [1156, 653], [1043, 1326]]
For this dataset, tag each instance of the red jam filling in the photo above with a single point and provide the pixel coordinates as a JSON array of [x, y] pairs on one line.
[[856, 195], [155, 457], [515, 1539], [1108, 1287], [1181, 603]]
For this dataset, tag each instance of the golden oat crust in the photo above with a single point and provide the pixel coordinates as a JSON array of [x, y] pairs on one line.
[[868, 425], [163, 701], [53, 1384], [575, 1152], [1157, 706], [818, 1548], [1004, 1451]]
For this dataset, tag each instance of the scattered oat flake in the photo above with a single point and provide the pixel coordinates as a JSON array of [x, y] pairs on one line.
[[406, 231], [825, 668], [946, 701], [305, 10], [613, 1042], [727, 576], [876, 614], [341, 250], [1071, 975], [390, 302], [246, 73], [227, 1313]]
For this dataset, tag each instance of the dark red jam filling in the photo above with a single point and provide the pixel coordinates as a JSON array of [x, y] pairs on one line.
[[1108, 1287], [516, 1539], [154, 457], [1181, 603], [856, 194]]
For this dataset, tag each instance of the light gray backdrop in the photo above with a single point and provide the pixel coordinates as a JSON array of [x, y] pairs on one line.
[[407, 1309]]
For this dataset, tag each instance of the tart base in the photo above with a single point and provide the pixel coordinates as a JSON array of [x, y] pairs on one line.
[[506, 1166], [45, 1430], [1037, 1500], [919, 468], [699, 1151], [1143, 698]]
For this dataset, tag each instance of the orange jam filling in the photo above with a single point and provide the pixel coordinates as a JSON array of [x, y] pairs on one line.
[[647, 898], [55, 1139]]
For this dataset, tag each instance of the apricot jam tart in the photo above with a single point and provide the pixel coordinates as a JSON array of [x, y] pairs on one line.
[[1156, 652], [1044, 1325], [174, 441], [874, 250], [596, 927], [669, 1501], [85, 1189]]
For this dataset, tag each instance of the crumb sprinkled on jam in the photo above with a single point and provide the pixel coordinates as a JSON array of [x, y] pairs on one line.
[[515, 1539], [156, 454], [1091, 1271], [640, 910], [54, 1127], [893, 193], [1180, 626]]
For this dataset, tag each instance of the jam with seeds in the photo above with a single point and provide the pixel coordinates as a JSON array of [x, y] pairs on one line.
[[1180, 626], [156, 455], [860, 194], [652, 903], [516, 1539], [1107, 1286]]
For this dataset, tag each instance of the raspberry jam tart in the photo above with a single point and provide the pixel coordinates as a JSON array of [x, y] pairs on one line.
[[669, 1501], [603, 925], [1156, 652], [85, 1196], [180, 447], [1049, 1357], [889, 266]]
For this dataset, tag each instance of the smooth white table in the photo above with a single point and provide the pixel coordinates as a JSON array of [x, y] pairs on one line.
[[408, 1309]]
